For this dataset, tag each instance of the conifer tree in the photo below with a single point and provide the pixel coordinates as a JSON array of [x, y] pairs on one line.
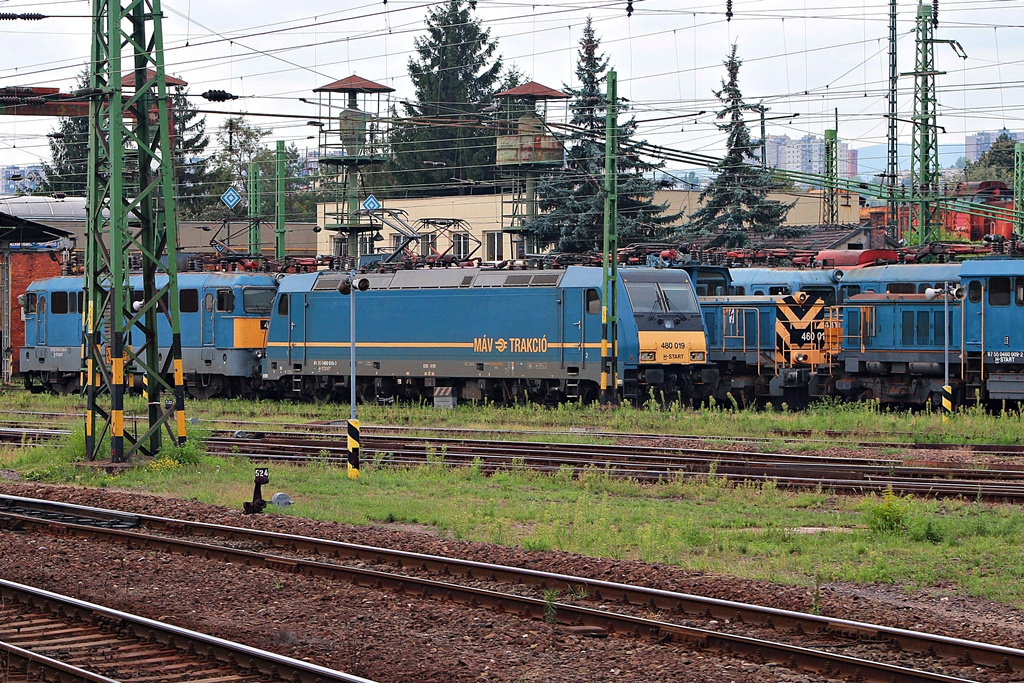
[[735, 203], [996, 163], [454, 74], [571, 202], [191, 167], [69, 154]]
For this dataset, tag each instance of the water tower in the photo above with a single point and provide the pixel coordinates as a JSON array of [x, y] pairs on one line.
[[351, 139], [526, 151]]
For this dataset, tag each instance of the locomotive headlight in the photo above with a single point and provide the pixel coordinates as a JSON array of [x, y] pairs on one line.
[[648, 356], [258, 353], [697, 356], [801, 358]]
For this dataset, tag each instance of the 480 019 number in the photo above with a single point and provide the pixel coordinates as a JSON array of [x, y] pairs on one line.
[[673, 345]]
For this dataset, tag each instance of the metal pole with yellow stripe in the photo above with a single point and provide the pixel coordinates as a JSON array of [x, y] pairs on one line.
[[353, 449]]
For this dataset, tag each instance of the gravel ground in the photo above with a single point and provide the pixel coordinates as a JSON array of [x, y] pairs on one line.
[[387, 637]]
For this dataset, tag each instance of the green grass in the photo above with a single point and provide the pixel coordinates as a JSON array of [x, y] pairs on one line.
[[698, 523], [862, 421]]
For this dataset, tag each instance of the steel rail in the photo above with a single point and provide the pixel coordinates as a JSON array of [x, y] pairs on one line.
[[47, 668], [431, 432], [657, 464], [266, 663], [983, 654]]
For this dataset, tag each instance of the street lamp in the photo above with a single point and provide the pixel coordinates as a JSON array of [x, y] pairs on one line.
[[348, 286], [946, 291]]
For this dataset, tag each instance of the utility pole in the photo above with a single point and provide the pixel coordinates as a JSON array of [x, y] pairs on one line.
[[831, 205], [279, 222], [892, 159], [610, 248], [255, 243], [117, 224], [924, 158], [1018, 189]]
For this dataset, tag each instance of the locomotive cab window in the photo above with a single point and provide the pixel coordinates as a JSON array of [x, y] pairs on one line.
[[846, 291], [188, 300], [1018, 288], [780, 290], [258, 300], [651, 298], [593, 302], [974, 291], [901, 288], [225, 301], [59, 301], [282, 305], [999, 291], [30, 303]]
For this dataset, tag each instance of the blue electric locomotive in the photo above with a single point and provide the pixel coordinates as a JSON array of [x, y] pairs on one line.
[[893, 346], [483, 334], [223, 331], [836, 285]]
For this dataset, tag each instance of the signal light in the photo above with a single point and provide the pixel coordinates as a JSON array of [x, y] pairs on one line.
[[347, 283]]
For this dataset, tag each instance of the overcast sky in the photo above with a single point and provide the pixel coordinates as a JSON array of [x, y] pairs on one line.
[[800, 56]]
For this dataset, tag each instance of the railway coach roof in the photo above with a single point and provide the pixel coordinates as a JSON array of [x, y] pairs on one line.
[[991, 265]]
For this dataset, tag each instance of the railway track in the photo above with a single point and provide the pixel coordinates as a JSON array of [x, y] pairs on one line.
[[640, 462], [801, 438], [643, 463], [882, 653], [53, 637]]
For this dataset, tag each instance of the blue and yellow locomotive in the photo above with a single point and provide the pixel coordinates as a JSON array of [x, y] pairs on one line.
[[223, 331], [481, 334]]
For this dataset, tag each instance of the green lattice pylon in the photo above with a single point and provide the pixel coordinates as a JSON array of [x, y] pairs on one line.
[[131, 222], [924, 160]]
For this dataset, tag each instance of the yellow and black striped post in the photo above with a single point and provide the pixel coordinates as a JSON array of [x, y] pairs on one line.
[[947, 402], [353, 449]]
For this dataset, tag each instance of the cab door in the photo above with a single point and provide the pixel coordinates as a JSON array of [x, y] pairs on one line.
[[574, 315], [41, 319], [207, 319], [297, 330]]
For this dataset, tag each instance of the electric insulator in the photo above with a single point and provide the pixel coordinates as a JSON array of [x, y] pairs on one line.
[[629, 8], [28, 16], [935, 13], [219, 96], [728, 10]]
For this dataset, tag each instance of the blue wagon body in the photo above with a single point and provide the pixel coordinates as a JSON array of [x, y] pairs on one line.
[[223, 319], [485, 334]]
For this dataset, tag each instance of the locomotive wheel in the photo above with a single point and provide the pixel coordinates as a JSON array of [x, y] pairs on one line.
[[589, 393]]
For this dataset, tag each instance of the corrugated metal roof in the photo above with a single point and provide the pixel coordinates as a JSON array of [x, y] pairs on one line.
[[49, 208]]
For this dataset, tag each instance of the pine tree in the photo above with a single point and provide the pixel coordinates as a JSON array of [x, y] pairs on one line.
[[454, 75], [571, 202], [735, 203], [68, 169], [191, 167]]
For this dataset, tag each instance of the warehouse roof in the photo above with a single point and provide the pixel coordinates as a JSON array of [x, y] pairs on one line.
[[19, 230]]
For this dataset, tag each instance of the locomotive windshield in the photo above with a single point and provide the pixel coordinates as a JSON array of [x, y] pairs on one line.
[[258, 299], [652, 298]]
